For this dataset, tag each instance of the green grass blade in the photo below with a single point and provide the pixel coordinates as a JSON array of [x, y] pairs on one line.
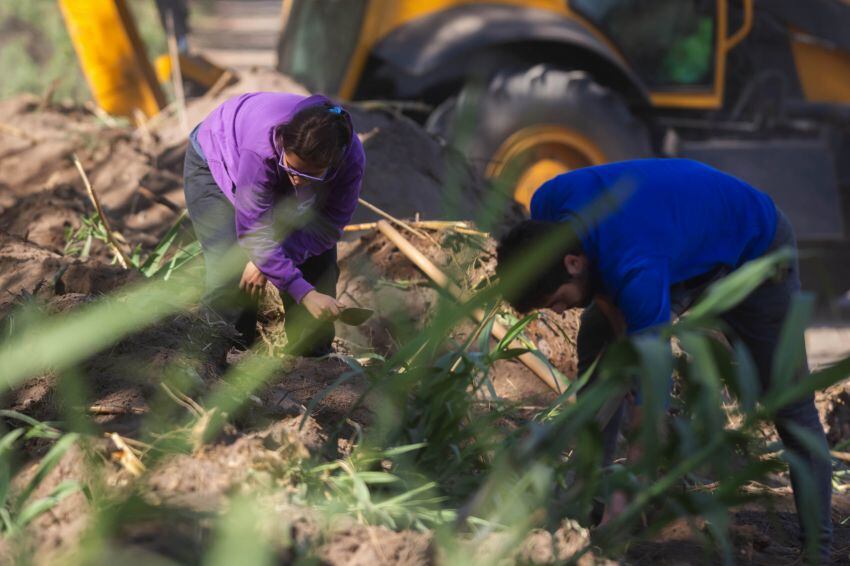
[[32, 510], [734, 288], [822, 379], [239, 538], [153, 263], [516, 330], [45, 466], [790, 354], [6, 444]]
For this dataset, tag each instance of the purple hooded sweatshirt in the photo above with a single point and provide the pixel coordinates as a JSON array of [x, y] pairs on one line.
[[237, 140]]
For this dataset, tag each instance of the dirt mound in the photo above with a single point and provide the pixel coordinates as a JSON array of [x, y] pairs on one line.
[[376, 275], [834, 409], [117, 385], [541, 547], [201, 481], [366, 546], [763, 533], [408, 173], [28, 269], [36, 145]]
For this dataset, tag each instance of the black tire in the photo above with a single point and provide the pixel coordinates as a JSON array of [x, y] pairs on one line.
[[541, 95]]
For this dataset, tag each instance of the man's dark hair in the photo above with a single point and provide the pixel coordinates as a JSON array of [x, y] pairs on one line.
[[541, 280], [317, 134]]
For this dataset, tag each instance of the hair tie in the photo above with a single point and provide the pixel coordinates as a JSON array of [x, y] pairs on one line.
[[335, 110]]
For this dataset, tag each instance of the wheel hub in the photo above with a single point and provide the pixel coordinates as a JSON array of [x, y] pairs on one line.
[[533, 155]]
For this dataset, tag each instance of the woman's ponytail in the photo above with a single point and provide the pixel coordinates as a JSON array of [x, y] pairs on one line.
[[317, 134]]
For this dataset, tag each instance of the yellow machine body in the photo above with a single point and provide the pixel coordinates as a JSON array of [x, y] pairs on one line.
[[112, 56], [385, 16]]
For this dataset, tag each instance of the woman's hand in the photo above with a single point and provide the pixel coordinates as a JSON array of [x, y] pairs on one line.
[[253, 281], [322, 307]]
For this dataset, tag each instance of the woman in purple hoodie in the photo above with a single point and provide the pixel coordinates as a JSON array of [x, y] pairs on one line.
[[271, 179]]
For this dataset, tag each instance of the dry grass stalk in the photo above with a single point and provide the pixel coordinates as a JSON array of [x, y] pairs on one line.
[[125, 456], [459, 226], [113, 242], [142, 128], [360, 227], [203, 417], [18, 133], [184, 401], [227, 78], [176, 73], [100, 114], [116, 410], [394, 220], [47, 96]]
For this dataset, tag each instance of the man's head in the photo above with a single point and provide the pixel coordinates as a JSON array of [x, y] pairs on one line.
[[563, 280], [313, 142]]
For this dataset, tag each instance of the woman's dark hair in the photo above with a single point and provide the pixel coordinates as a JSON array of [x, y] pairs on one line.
[[317, 134], [534, 285]]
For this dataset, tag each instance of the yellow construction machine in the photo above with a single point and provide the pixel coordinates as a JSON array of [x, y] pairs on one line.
[[532, 88], [114, 60], [527, 89]]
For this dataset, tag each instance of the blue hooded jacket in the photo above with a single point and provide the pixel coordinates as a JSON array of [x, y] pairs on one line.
[[646, 225]]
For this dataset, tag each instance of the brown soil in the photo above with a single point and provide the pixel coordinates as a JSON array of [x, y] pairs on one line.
[[29, 269], [834, 408], [378, 276], [42, 197], [763, 534]]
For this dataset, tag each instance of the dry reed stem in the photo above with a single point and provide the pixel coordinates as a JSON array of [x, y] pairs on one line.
[[176, 73], [395, 220], [459, 226], [122, 257], [223, 82], [184, 401], [126, 456], [116, 410], [18, 133]]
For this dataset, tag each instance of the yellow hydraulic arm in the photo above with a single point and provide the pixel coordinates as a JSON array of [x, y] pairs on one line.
[[112, 56]]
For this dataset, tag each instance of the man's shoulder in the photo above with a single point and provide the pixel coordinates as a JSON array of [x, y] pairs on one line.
[[568, 191]]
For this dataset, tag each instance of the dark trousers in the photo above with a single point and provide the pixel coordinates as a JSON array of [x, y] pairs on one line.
[[213, 218], [757, 322]]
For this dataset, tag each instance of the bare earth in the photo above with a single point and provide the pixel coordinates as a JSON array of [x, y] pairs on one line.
[[41, 196]]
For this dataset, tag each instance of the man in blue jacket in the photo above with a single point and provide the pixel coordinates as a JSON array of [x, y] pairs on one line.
[[650, 236]]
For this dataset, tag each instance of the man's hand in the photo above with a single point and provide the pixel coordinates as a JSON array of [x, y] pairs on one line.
[[620, 499], [612, 313], [253, 281], [616, 505], [322, 307]]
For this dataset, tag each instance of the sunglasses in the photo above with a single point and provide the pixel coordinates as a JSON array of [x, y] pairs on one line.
[[338, 110], [296, 173]]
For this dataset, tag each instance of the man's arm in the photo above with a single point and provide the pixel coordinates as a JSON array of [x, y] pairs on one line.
[[643, 295], [643, 304]]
